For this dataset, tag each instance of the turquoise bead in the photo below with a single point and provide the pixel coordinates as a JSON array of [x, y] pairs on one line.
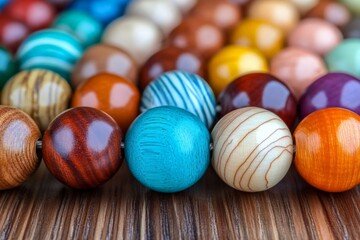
[[8, 66], [345, 57], [87, 29], [184, 90], [167, 149], [50, 49]]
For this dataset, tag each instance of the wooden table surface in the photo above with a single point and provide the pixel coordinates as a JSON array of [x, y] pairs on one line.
[[44, 209]]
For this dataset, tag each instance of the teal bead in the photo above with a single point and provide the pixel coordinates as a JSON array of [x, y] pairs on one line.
[[50, 49], [167, 149], [86, 28], [8, 66], [345, 57]]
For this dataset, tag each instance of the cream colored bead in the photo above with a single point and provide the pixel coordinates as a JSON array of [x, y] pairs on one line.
[[253, 149], [184, 5], [304, 5]]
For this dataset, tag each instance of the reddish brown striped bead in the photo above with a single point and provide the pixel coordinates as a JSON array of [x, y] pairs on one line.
[[81, 147]]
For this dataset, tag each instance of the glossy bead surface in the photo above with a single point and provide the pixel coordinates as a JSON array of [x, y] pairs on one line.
[[18, 136], [197, 34], [163, 13], [223, 14], [352, 5], [112, 94], [36, 14], [331, 90], [40, 93], [137, 36], [50, 49], [345, 57], [259, 34], [259, 90], [81, 147], [253, 149], [167, 149], [331, 11], [232, 62], [8, 66], [81, 25], [103, 58], [297, 68], [278, 12], [171, 58], [352, 29], [184, 90], [12, 32], [328, 149], [315, 35]]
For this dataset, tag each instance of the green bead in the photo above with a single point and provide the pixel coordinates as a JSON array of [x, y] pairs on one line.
[[352, 5], [87, 29], [345, 57], [8, 66]]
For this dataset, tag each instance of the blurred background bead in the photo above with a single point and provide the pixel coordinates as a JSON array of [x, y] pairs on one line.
[[184, 90], [18, 158], [3, 3], [40, 93], [253, 149], [304, 6], [259, 90], [137, 36], [331, 90], [163, 13], [50, 49], [352, 29], [281, 13], [8, 66], [12, 32], [171, 58], [87, 29], [352, 5], [197, 34], [103, 58], [167, 149], [328, 149], [184, 5], [259, 34], [112, 94], [60, 4], [223, 14], [36, 14], [315, 35], [81, 132], [297, 68], [232, 62], [345, 57], [331, 11]]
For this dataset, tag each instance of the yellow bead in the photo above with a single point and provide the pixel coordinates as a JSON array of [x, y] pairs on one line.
[[232, 62], [260, 34]]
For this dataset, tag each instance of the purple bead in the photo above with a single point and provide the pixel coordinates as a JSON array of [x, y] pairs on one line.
[[331, 90]]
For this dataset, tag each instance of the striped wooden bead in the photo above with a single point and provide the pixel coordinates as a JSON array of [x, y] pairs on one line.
[[253, 149], [184, 90], [40, 93], [50, 49]]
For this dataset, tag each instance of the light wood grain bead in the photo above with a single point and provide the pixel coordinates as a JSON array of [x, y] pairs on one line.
[[42, 94], [253, 149], [18, 136]]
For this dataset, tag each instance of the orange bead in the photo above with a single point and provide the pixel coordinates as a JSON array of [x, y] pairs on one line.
[[112, 94], [328, 149]]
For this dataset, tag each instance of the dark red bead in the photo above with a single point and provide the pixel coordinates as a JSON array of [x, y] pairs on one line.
[[82, 147], [12, 32], [259, 90]]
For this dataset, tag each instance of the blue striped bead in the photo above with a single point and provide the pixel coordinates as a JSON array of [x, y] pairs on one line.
[[184, 90], [50, 49], [167, 149]]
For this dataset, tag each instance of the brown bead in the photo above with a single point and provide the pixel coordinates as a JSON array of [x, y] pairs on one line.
[[112, 94], [171, 58], [197, 34], [18, 136], [102, 58], [82, 147]]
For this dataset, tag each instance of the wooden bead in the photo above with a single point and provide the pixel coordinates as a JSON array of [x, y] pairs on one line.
[[18, 136], [328, 149], [40, 93], [81, 147], [253, 149], [112, 94]]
